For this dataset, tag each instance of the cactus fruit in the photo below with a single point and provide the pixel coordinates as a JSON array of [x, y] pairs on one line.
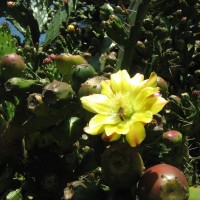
[[37, 106], [12, 65], [65, 62], [175, 99], [163, 85], [19, 86], [172, 138], [79, 190], [194, 192], [163, 182], [57, 93], [68, 132], [121, 166], [91, 86], [80, 74]]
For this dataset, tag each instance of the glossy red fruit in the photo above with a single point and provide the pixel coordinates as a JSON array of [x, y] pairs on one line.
[[172, 138], [163, 182], [12, 65]]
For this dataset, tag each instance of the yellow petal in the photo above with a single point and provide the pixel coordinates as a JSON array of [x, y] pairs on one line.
[[120, 81], [142, 96], [97, 103], [144, 117], [110, 138], [120, 128], [97, 123], [155, 104], [136, 134], [152, 81], [137, 79], [106, 88]]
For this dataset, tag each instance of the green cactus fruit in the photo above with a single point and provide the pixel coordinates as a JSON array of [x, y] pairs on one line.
[[12, 65], [194, 192], [65, 62], [68, 132], [80, 74], [172, 138], [91, 86], [163, 182], [121, 166], [57, 93], [163, 85], [19, 86]]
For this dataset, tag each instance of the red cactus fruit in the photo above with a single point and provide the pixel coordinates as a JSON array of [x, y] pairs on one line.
[[175, 99], [172, 138], [163, 182], [12, 65]]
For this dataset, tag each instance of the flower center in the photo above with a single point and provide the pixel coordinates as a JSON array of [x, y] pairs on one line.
[[124, 106], [121, 114]]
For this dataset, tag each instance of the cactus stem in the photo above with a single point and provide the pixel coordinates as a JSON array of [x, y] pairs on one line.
[[129, 49]]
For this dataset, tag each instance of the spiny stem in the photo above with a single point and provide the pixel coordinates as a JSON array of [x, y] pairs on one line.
[[129, 49]]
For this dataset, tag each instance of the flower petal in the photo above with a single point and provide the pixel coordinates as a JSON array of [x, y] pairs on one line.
[[137, 79], [120, 128], [97, 123], [120, 81], [141, 97], [136, 134], [144, 117], [106, 88], [155, 104], [97, 103], [152, 81], [110, 138]]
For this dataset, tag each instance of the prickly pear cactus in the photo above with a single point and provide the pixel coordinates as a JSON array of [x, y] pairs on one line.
[[8, 44]]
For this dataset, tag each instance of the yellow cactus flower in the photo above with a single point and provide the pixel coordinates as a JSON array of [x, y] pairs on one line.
[[124, 106]]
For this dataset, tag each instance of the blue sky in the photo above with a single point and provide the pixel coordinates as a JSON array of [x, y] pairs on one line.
[[16, 32], [13, 29]]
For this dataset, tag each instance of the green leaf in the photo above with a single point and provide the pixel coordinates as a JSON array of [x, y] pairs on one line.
[[61, 16], [40, 12], [7, 42], [14, 195]]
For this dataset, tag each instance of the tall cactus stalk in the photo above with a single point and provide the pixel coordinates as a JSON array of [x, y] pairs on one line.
[[138, 12]]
